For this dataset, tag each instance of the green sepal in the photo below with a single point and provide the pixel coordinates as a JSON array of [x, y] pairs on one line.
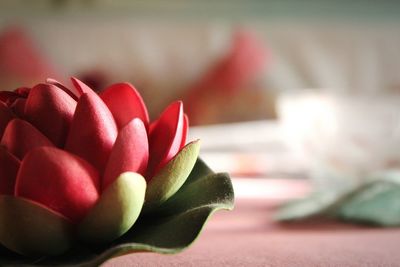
[[172, 176], [116, 211], [31, 229]]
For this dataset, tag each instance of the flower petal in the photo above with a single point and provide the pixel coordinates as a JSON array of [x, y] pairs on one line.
[[166, 137], [81, 87], [172, 176], [8, 97], [59, 180], [93, 131], [20, 137], [130, 152], [50, 109], [125, 103], [9, 166], [72, 93], [19, 107], [185, 130], [116, 211], [6, 115]]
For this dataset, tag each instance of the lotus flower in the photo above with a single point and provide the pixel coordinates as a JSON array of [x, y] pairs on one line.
[[75, 165]]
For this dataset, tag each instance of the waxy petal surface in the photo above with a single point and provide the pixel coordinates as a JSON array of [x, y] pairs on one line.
[[172, 176], [58, 180], [71, 92], [8, 97], [51, 110], [185, 131], [130, 152], [166, 137], [9, 166], [81, 87], [125, 103], [93, 131], [20, 137], [116, 211], [18, 107], [6, 115]]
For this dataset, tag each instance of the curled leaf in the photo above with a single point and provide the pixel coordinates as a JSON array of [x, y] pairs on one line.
[[31, 229]]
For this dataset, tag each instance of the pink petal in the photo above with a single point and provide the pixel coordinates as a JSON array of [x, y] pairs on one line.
[[19, 107], [6, 115], [8, 97], [185, 130], [125, 103], [50, 109], [81, 87], [59, 180], [9, 166], [20, 137], [130, 152], [166, 137], [93, 131], [72, 93]]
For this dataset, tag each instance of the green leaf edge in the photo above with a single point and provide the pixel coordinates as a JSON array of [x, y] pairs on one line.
[[139, 247]]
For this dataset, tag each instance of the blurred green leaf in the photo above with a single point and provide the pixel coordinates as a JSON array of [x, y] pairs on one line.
[[375, 202]]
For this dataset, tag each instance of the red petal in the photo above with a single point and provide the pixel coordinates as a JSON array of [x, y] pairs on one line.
[[185, 130], [19, 107], [50, 109], [93, 131], [72, 93], [130, 152], [20, 137], [9, 166], [59, 180], [81, 87], [125, 103], [8, 97], [6, 115], [166, 137]]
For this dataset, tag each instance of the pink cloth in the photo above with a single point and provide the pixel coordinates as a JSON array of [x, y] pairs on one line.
[[248, 237]]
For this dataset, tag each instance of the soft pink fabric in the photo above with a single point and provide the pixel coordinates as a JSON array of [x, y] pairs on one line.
[[247, 236]]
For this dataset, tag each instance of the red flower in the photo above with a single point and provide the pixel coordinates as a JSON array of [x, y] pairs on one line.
[[62, 149]]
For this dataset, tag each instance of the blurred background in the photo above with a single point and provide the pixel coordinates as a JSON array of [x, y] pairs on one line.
[[297, 100], [281, 89]]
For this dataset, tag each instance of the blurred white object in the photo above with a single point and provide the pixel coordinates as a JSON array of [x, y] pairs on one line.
[[346, 137], [253, 149]]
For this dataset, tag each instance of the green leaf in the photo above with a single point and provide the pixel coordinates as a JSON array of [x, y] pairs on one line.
[[169, 229], [31, 229], [116, 211], [377, 203], [315, 205], [172, 176]]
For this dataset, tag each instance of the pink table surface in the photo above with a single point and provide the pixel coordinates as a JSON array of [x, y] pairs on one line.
[[248, 236]]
